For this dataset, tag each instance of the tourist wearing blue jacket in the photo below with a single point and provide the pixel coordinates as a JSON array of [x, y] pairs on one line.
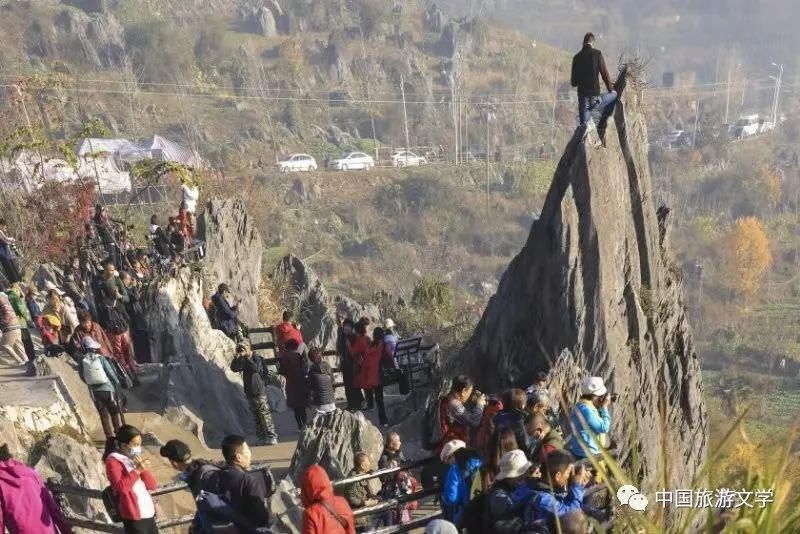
[[590, 418], [562, 496], [457, 483]]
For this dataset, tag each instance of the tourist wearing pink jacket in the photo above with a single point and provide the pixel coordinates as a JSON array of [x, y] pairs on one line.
[[26, 504]]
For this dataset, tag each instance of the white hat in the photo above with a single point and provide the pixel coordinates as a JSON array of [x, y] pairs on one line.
[[440, 526], [90, 343], [513, 464], [450, 448], [388, 323], [50, 286], [593, 386]]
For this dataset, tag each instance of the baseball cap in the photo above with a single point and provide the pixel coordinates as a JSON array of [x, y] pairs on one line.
[[593, 386], [450, 448], [176, 451], [388, 323]]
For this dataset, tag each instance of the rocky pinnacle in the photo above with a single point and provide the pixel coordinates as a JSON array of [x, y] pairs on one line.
[[595, 291]]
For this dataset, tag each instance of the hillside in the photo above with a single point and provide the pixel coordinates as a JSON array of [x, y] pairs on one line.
[[241, 82]]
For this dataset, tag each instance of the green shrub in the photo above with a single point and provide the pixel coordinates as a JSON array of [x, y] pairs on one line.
[[532, 178]]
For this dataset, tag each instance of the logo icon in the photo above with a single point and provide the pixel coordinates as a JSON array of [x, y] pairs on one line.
[[629, 495]]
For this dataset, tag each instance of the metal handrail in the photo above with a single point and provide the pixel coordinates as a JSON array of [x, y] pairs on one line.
[[411, 525], [90, 493], [382, 472], [389, 504]]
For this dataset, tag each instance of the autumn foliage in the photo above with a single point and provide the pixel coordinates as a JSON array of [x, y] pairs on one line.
[[747, 255]]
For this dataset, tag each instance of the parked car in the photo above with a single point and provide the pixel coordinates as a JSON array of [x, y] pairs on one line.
[[676, 139], [746, 126], [298, 162], [353, 161], [405, 158]]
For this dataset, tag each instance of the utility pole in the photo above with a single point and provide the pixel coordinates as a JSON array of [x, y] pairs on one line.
[[728, 95], [452, 81], [696, 119], [778, 82], [555, 97], [488, 169], [405, 115]]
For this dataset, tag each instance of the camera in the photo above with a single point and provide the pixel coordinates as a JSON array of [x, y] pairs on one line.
[[612, 396]]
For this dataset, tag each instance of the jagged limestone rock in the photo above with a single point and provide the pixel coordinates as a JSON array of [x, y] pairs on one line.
[[75, 463], [596, 278], [264, 22], [233, 253], [201, 381], [332, 440], [65, 369]]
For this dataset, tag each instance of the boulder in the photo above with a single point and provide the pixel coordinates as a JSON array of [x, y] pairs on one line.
[[317, 312], [287, 508], [332, 440], [68, 461], [263, 21], [77, 392], [596, 278], [233, 253]]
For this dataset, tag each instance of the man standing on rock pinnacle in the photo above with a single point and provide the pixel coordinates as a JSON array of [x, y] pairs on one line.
[[587, 65]]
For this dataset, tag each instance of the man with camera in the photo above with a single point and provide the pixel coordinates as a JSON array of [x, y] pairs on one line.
[[590, 419], [256, 392]]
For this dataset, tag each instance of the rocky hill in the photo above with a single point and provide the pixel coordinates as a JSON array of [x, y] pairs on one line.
[[241, 80], [595, 291]]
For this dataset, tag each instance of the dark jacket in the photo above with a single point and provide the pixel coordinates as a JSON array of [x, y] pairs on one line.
[[320, 382], [202, 475], [248, 494], [251, 375], [226, 315], [389, 455], [515, 420], [586, 66], [293, 366]]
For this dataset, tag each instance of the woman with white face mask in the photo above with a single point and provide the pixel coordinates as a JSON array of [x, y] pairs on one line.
[[131, 482]]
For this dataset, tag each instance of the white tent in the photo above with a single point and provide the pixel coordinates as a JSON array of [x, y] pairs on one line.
[[103, 168], [163, 149], [96, 145]]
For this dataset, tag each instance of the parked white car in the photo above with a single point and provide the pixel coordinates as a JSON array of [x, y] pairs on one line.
[[405, 158], [298, 162], [353, 161]]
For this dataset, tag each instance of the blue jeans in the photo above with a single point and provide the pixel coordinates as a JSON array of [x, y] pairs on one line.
[[598, 108]]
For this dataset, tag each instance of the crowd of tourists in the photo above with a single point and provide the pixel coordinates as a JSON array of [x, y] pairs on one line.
[[505, 465]]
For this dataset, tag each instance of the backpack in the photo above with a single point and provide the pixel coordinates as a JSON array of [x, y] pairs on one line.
[[215, 516], [433, 425], [475, 518], [111, 505], [93, 372]]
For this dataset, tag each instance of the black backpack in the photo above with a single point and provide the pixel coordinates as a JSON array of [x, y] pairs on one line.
[[432, 432], [475, 519]]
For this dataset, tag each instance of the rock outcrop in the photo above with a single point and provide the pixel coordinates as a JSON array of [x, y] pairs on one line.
[[596, 279], [233, 253], [68, 461], [332, 441], [317, 311], [198, 383]]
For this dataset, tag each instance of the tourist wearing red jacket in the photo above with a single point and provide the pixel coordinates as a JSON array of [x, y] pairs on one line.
[[368, 372], [285, 331], [132, 483], [324, 513]]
